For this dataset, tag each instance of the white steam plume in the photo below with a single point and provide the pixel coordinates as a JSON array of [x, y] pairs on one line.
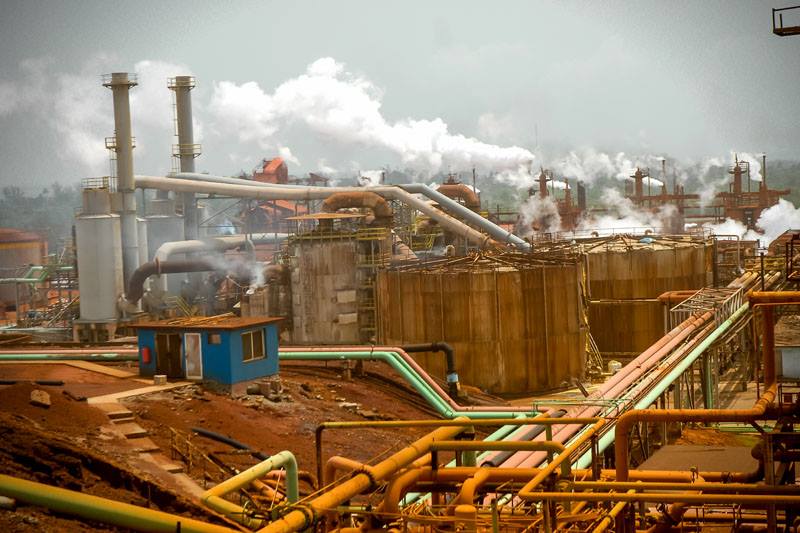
[[80, 110], [538, 215], [624, 216], [773, 222], [346, 108]]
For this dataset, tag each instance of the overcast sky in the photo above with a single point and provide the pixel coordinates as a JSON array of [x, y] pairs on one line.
[[338, 86]]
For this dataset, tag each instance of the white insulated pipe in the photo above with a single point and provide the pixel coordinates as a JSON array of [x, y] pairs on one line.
[[120, 84], [311, 193], [464, 213], [212, 244]]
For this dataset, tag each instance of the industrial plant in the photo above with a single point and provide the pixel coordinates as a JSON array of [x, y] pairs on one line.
[[266, 352]]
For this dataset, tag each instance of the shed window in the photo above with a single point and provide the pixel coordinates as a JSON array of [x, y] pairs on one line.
[[253, 345], [214, 338]]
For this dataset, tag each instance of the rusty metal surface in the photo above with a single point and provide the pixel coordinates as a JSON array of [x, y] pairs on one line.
[[228, 321], [515, 321], [704, 458]]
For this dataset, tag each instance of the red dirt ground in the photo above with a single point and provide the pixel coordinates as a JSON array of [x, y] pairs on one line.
[[79, 382], [270, 427]]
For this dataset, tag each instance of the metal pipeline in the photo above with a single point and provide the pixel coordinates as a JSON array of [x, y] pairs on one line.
[[215, 244], [307, 514], [464, 213], [451, 376], [760, 409], [101, 509], [261, 456], [199, 264], [100, 357], [410, 370], [361, 199], [619, 382], [215, 497], [404, 193]]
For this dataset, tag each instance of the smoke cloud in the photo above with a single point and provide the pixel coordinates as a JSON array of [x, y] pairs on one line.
[[538, 215], [80, 112], [624, 216], [772, 223], [345, 108]]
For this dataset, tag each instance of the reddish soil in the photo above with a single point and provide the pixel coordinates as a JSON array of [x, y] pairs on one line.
[[713, 437], [32, 453], [64, 415], [77, 381], [316, 394]]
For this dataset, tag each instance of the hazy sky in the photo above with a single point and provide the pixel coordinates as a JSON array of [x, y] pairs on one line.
[[687, 79]]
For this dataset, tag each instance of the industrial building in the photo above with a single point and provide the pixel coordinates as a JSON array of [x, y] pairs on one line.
[[394, 357]]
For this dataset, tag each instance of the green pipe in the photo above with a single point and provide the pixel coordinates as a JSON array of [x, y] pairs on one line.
[[407, 372], [23, 357], [101, 509], [606, 440], [215, 497]]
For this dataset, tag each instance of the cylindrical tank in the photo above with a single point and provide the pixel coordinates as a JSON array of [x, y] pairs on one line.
[[18, 248], [163, 225], [626, 275], [99, 248], [516, 323]]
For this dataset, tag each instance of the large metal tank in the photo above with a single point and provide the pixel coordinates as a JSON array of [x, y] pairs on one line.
[[516, 322], [626, 274], [99, 248], [18, 249], [163, 225]]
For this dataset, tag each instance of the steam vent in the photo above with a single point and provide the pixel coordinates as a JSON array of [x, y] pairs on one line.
[[553, 300]]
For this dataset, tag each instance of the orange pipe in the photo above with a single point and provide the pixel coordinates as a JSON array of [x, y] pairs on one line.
[[310, 511], [627, 420], [339, 464], [676, 297]]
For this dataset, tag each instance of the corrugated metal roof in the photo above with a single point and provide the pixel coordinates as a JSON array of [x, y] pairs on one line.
[[228, 321]]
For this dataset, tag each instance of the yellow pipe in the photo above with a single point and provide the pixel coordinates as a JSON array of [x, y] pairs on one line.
[[214, 497], [101, 509], [705, 487], [526, 493], [611, 516], [308, 513], [671, 497]]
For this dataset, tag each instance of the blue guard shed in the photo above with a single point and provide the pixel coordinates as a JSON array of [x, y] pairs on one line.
[[229, 350]]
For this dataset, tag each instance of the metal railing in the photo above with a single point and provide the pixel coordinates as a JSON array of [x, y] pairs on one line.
[[102, 182], [722, 302]]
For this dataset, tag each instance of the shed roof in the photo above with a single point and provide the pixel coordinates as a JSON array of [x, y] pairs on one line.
[[217, 322]]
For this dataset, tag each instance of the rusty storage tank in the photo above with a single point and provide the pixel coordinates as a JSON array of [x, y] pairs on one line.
[[18, 249], [626, 274], [515, 321]]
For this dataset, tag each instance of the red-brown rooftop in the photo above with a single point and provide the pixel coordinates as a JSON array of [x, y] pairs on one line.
[[228, 321]]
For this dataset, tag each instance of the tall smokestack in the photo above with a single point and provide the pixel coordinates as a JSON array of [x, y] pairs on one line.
[[186, 150], [737, 176], [638, 190], [120, 84], [581, 196]]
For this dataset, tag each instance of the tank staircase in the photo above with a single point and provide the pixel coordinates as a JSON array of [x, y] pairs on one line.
[[372, 254]]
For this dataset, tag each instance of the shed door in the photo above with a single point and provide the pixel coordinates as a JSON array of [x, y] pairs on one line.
[[168, 355], [193, 352]]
